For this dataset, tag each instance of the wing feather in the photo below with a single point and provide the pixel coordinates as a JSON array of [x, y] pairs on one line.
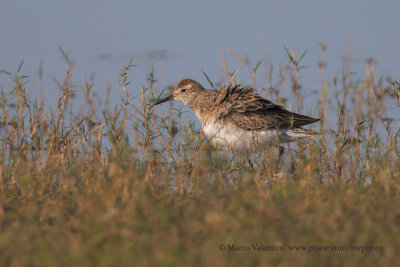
[[249, 111]]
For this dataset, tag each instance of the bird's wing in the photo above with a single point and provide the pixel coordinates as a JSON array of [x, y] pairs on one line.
[[250, 111]]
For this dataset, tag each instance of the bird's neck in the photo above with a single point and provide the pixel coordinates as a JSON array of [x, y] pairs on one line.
[[203, 104]]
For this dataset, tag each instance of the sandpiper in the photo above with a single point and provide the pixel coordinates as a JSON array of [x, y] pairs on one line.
[[236, 118]]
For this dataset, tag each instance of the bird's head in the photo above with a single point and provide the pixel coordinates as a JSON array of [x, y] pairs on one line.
[[185, 92]]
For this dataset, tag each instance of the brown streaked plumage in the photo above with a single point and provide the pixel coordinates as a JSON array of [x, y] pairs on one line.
[[233, 115]]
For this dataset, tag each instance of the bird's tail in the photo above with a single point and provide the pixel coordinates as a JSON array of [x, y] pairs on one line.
[[309, 132], [300, 132]]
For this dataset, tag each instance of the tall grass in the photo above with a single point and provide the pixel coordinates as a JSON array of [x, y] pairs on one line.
[[132, 186]]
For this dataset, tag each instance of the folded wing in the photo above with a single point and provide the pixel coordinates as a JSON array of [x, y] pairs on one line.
[[250, 111]]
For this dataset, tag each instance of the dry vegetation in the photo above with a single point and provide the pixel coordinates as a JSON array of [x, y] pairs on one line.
[[114, 187]]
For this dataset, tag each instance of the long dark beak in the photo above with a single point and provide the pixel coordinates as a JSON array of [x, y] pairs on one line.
[[165, 99]]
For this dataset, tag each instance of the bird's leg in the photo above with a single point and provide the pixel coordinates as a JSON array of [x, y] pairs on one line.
[[250, 163], [281, 151]]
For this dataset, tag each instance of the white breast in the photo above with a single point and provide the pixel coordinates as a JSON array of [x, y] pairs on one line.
[[230, 136]]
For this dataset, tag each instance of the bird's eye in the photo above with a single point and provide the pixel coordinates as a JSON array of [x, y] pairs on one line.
[[183, 90]]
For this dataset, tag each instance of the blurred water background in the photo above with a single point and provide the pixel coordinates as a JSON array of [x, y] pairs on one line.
[[181, 39]]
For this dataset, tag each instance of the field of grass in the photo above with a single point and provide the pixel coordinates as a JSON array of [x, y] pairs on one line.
[[101, 186]]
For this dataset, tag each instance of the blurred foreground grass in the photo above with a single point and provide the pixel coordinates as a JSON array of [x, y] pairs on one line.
[[94, 186]]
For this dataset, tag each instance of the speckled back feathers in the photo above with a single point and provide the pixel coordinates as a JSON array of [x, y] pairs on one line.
[[249, 111]]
